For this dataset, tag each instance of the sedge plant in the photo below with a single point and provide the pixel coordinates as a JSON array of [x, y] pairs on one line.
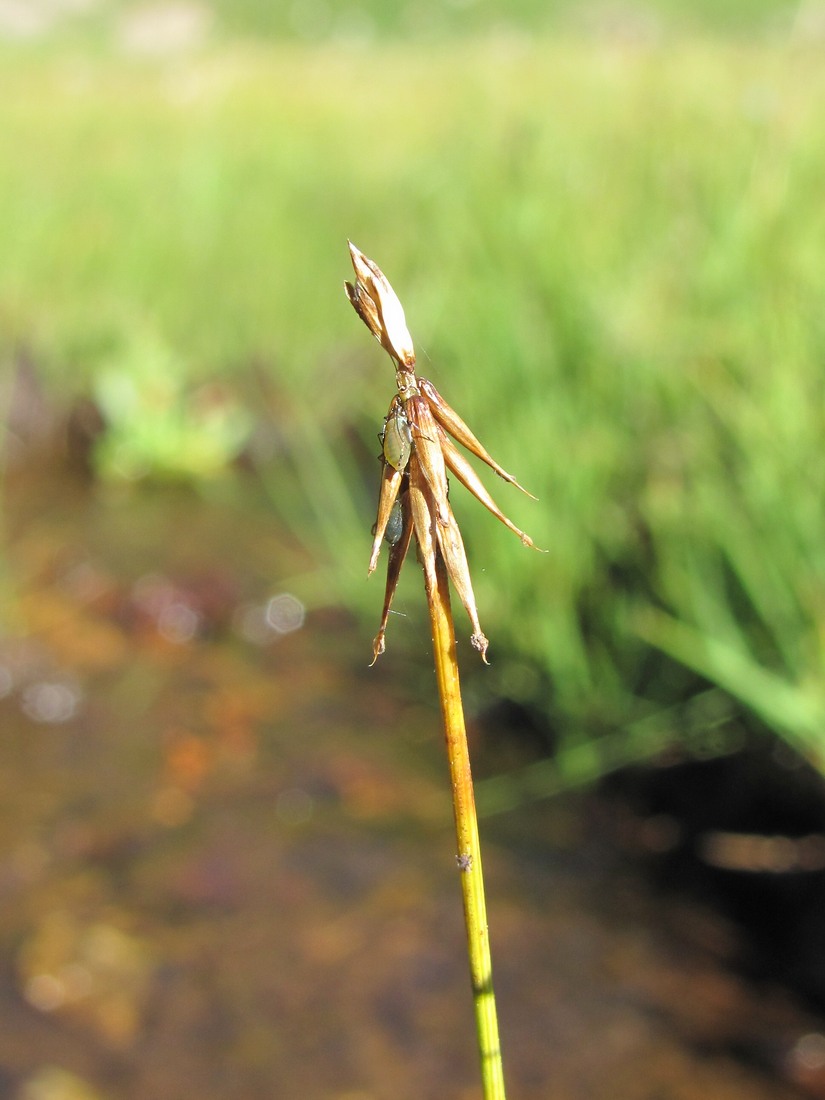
[[413, 504]]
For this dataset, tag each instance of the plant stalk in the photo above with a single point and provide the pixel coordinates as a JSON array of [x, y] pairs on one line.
[[466, 826]]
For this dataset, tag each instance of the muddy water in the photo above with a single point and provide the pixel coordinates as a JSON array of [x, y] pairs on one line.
[[227, 867]]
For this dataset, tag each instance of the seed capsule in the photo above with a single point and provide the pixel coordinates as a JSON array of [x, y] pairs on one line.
[[396, 438]]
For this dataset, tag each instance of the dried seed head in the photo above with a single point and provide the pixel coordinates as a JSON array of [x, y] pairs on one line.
[[377, 304], [417, 452]]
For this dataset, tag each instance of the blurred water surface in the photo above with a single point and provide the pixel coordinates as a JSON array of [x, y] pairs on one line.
[[227, 862]]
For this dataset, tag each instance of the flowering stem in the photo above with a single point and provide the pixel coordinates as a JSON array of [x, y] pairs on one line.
[[466, 825], [414, 504]]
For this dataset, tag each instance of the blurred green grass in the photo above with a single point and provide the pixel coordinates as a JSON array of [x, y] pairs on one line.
[[610, 254], [152, 25]]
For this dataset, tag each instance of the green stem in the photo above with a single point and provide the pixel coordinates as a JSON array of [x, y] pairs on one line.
[[466, 826]]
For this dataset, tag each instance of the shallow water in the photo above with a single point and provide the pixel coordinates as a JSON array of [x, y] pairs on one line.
[[228, 868]]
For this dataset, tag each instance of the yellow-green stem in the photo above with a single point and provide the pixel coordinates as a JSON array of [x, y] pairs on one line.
[[466, 826]]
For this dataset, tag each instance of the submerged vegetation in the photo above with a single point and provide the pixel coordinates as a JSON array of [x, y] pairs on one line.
[[627, 293]]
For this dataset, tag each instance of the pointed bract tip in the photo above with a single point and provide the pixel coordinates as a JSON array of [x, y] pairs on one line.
[[479, 641], [378, 647], [527, 541]]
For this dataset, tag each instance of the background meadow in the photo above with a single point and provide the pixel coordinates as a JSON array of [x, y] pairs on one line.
[[606, 227]]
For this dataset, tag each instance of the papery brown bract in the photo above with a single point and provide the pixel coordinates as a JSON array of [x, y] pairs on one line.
[[452, 422], [377, 304], [458, 464], [428, 451], [390, 484]]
